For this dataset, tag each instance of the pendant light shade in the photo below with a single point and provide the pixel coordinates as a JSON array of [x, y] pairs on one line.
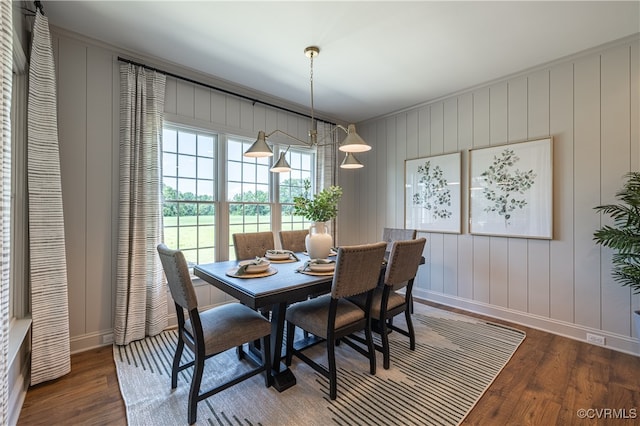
[[351, 162], [282, 166], [259, 148], [353, 142]]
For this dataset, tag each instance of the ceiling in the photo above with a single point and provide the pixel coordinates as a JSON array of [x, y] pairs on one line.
[[375, 57]]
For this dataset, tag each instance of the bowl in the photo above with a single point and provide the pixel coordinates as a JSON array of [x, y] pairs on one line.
[[322, 267], [277, 256], [255, 269]]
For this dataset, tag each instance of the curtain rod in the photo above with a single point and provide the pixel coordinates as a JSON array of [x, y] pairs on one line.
[[228, 92]]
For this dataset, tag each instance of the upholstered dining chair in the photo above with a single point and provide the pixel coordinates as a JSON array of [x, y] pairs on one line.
[[389, 235], [210, 332], [293, 240], [249, 245], [402, 267], [332, 317]]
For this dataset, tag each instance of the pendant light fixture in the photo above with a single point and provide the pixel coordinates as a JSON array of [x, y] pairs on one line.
[[352, 142]]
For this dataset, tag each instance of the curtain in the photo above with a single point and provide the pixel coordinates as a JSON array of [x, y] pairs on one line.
[[50, 346], [141, 297], [6, 76], [326, 171]]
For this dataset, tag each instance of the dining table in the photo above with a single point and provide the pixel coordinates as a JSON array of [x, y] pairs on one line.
[[274, 291]]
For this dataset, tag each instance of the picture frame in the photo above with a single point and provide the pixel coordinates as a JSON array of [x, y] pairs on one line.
[[511, 190], [433, 193]]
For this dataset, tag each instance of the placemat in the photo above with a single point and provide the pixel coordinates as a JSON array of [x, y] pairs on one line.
[[318, 274]]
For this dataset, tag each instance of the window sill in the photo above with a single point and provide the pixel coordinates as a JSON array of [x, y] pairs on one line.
[[17, 333]]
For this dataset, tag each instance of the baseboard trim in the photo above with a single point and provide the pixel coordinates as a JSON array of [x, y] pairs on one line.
[[613, 341]]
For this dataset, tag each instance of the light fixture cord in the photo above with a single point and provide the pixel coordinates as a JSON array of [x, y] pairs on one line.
[[313, 131]]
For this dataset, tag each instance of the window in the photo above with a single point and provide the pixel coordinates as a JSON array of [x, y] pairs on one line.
[[291, 186], [248, 184], [188, 188], [197, 219]]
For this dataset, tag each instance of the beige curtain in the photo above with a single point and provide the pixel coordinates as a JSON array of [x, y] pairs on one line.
[[6, 53], [141, 297], [326, 171], [50, 346]]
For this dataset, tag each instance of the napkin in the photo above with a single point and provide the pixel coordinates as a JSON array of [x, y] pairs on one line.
[[243, 268], [289, 252], [316, 262]]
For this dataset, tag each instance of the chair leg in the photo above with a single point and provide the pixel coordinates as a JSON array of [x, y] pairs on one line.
[[412, 334], [372, 349], [240, 353], [266, 359], [384, 336], [176, 363], [333, 379], [198, 368], [291, 329]]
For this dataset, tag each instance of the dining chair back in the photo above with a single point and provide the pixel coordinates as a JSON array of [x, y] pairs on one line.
[[332, 317], [294, 240], [389, 235], [210, 332], [401, 270], [250, 245]]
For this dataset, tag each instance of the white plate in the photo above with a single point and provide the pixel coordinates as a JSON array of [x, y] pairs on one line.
[[255, 269], [322, 267], [277, 256]]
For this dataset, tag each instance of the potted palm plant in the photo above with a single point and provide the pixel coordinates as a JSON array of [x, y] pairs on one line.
[[320, 209], [624, 236]]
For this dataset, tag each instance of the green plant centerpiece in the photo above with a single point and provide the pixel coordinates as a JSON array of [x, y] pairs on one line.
[[320, 209], [624, 236]]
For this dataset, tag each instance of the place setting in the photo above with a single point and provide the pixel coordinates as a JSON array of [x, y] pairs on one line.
[[319, 267], [281, 256], [253, 268]]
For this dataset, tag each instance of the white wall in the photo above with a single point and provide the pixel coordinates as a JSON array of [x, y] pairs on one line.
[[589, 105]]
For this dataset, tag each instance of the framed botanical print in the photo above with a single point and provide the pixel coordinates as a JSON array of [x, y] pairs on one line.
[[511, 190], [432, 193]]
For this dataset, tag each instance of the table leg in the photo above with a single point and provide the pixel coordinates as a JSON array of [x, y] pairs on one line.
[[283, 378]]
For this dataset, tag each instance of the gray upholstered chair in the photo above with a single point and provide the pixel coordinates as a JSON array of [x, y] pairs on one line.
[[210, 332], [389, 235], [332, 317], [250, 245], [402, 267], [293, 240]]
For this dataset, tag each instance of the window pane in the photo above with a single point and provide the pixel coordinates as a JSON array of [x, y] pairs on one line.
[[186, 166], [187, 143], [206, 168], [169, 140], [206, 148]]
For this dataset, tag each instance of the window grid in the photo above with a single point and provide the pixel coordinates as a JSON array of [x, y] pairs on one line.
[[189, 170]]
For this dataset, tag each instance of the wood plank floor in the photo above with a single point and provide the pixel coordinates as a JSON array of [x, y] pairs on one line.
[[548, 380]]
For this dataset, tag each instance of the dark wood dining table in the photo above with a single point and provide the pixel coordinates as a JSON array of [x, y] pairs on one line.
[[275, 292]]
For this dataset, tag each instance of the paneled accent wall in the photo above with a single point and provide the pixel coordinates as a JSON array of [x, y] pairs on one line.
[[589, 105]]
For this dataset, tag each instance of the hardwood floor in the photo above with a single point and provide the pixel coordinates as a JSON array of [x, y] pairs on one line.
[[548, 380]]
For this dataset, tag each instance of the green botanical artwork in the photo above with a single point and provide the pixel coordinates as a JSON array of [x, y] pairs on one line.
[[435, 195], [504, 185]]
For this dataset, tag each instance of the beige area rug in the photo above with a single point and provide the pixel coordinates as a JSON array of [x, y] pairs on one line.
[[456, 359]]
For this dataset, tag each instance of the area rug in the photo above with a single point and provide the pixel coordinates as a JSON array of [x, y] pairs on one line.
[[456, 359]]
